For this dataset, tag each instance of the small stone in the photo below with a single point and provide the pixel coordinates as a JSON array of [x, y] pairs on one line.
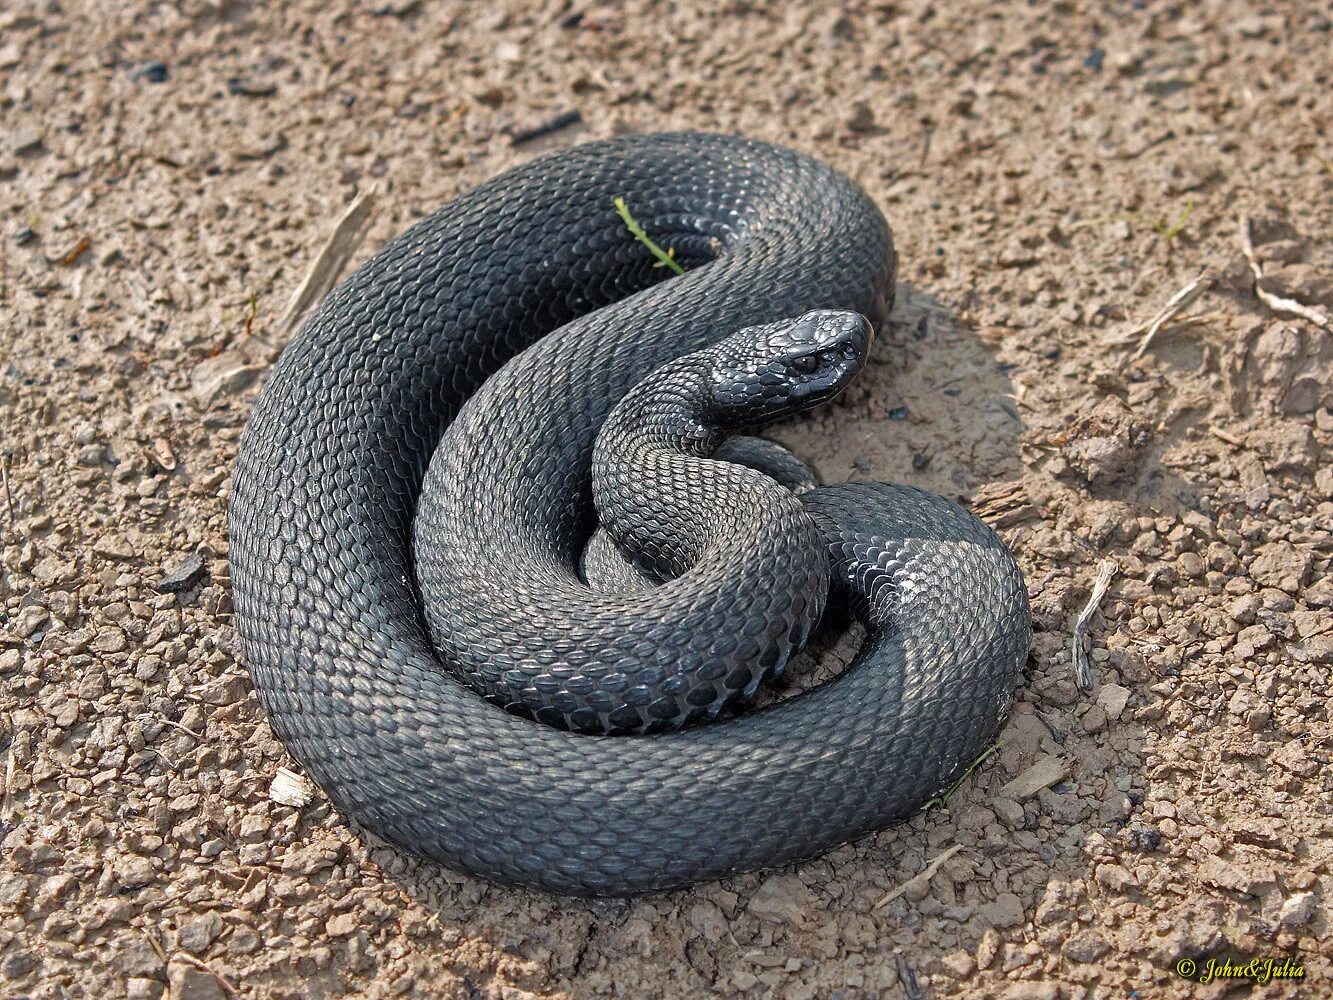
[[1009, 811], [860, 118], [706, 918], [1113, 698], [187, 573], [114, 547], [196, 934], [1094, 719], [1005, 911], [1247, 705], [1258, 25], [254, 829], [1145, 840], [133, 872], [1031, 991], [31, 620], [309, 859], [25, 141], [110, 639], [988, 948], [243, 941], [222, 375], [190, 983], [958, 964], [139, 988], [13, 890], [245, 87], [1191, 565], [1282, 566], [1086, 947], [1318, 649], [1114, 878], [151, 72], [18, 965], [1224, 874], [781, 899], [137, 958], [1297, 911], [1244, 608], [341, 925]]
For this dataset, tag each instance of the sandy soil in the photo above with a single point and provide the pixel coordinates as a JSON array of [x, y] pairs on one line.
[[1054, 173]]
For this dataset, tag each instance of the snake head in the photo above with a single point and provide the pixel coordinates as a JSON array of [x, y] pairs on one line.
[[763, 373]]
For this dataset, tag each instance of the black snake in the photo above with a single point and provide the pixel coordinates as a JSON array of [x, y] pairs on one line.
[[360, 448]]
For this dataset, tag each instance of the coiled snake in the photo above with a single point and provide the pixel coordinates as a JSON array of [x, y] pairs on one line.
[[446, 399]]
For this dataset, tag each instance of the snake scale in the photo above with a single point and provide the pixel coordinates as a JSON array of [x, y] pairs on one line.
[[415, 488]]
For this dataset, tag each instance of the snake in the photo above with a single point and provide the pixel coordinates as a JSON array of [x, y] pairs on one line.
[[514, 381]]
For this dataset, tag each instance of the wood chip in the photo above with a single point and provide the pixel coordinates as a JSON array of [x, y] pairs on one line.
[[1083, 673], [1002, 505], [1043, 774], [76, 251]]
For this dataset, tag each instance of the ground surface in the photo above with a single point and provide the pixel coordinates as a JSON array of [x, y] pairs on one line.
[[1054, 175]]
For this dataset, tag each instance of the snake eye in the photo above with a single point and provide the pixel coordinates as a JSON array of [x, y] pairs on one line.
[[806, 363]]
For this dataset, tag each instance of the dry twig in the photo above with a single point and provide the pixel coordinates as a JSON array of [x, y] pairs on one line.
[[1275, 302], [1083, 675], [331, 260], [9, 497], [155, 944], [7, 804], [1177, 304], [922, 878], [1178, 325]]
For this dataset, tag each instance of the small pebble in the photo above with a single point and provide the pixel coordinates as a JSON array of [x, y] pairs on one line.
[[861, 118], [188, 572], [152, 72], [249, 88]]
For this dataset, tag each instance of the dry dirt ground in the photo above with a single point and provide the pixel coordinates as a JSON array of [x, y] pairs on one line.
[[1055, 173]]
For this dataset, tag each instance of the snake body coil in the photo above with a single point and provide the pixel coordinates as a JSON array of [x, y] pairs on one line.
[[406, 366]]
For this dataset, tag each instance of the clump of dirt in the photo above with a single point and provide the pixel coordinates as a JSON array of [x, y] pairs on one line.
[[170, 171], [1107, 443]]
